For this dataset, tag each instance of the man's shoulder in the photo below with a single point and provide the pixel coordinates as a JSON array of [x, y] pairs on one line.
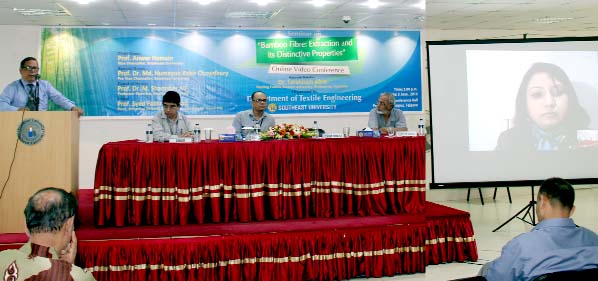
[[44, 84], [10, 254], [397, 112], [244, 112], [13, 84], [589, 234]]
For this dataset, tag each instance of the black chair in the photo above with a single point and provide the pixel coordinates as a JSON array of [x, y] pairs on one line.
[[493, 197], [588, 274]]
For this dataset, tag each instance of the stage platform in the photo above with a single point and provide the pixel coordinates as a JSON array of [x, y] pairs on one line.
[[305, 249]]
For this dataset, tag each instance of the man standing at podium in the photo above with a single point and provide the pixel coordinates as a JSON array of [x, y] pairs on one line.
[[31, 94]]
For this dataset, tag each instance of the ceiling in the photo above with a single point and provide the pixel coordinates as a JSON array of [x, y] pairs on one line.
[[533, 15]]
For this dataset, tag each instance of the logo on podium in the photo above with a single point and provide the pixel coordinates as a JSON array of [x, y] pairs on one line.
[[31, 131]]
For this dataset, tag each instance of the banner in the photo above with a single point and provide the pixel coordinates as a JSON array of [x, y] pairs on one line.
[[125, 71], [306, 49]]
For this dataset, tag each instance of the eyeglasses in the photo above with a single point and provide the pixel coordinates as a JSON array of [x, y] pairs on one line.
[[260, 100], [169, 106], [30, 68]]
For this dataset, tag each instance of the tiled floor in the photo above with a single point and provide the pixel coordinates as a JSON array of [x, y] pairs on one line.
[[491, 215]]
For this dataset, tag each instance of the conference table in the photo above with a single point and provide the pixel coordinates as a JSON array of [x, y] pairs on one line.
[[139, 183]]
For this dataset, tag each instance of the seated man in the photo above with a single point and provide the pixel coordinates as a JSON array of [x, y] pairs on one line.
[[255, 115], [554, 244], [52, 247], [170, 122], [385, 117]]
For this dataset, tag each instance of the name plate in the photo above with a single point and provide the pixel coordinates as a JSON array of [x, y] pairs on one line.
[[406, 134], [369, 134], [227, 137], [333, 136], [180, 140]]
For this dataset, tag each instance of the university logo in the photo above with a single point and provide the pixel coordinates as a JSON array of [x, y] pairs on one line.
[[31, 131]]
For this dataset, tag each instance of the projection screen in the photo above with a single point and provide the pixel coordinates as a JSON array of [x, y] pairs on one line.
[[513, 112]]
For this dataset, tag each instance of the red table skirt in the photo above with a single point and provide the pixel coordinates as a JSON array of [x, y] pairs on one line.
[[179, 183]]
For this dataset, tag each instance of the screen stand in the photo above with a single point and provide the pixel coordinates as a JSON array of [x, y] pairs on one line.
[[530, 211]]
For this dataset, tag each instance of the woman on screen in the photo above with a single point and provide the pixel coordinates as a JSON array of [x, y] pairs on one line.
[[547, 113]]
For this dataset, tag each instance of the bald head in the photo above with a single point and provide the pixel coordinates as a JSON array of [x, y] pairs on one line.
[[49, 209]]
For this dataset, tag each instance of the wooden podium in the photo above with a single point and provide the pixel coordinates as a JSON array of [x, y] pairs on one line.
[[52, 161]]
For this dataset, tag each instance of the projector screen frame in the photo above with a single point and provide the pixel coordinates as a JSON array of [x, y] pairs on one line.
[[508, 183]]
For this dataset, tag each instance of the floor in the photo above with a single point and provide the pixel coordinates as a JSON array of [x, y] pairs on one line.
[[489, 216]]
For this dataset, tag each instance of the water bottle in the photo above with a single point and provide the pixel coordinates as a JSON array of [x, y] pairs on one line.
[[149, 134], [196, 132], [421, 127], [256, 131], [316, 129]]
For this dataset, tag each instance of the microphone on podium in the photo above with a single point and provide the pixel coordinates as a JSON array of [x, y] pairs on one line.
[[37, 76]]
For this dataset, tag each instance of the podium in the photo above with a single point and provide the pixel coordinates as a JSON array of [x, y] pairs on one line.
[[52, 161]]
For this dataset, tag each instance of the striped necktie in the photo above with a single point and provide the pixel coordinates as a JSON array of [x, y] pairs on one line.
[[33, 100]]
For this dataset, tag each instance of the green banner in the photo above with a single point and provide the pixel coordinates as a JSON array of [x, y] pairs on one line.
[[294, 50]]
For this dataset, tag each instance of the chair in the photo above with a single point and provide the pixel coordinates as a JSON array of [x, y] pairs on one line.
[[587, 274], [493, 197]]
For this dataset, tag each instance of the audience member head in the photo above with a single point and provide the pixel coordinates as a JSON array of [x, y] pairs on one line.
[[259, 101], [29, 69], [555, 199], [171, 102], [51, 211], [386, 102], [547, 99], [172, 97]]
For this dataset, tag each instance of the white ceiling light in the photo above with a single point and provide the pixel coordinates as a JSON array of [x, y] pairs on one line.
[[250, 15], [319, 3], [262, 2], [205, 2], [83, 2], [373, 4], [145, 2], [420, 5], [61, 11]]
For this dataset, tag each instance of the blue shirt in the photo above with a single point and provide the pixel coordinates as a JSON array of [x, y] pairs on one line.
[[247, 119], [15, 95], [552, 245], [396, 119]]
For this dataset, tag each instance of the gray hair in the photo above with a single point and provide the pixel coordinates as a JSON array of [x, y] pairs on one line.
[[391, 97]]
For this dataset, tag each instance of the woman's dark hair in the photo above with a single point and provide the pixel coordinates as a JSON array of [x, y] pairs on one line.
[[173, 97], [48, 209], [576, 116]]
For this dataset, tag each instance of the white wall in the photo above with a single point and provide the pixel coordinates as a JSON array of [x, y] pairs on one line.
[[19, 42]]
